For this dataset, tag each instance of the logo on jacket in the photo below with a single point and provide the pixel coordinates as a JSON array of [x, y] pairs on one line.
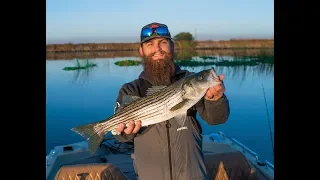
[[182, 128]]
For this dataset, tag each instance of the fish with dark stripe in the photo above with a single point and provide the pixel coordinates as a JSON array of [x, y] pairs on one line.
[[162, 104]]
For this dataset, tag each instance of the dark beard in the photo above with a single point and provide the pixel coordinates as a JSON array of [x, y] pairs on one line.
[[159, 72]]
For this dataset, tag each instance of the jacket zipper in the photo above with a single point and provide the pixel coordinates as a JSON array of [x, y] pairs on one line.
[[168, 125]]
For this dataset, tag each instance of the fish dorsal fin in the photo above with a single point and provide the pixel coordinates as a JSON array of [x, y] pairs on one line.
[[154, 89], [127, 99]]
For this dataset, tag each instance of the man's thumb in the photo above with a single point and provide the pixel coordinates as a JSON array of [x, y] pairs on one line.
[[221, 77]]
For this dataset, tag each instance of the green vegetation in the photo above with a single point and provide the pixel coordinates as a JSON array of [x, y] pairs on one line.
[[183, 36], [212, 60], [128, 63], [185, 40], [261, 58], [79, 66], [193, 63]]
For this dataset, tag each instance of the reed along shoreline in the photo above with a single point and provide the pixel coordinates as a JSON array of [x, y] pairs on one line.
[[181, 54]]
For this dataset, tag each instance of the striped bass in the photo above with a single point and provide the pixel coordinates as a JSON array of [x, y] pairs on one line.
[[163, 104]]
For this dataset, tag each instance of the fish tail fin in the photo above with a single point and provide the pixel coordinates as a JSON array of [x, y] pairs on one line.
[[93, 137]]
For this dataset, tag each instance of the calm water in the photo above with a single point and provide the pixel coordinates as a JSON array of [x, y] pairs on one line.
[[85, 96]]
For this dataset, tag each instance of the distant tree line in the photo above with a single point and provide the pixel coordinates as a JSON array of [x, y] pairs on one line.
[[185, 40], [182, 40]]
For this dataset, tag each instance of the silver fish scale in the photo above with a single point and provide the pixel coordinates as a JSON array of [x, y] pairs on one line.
[[154, 89], [159, 112], [162, 112]]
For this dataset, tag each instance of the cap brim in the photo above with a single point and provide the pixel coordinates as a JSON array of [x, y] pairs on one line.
[[155, 36]]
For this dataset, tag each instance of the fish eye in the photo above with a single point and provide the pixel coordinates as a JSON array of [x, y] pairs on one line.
[[201, 77]]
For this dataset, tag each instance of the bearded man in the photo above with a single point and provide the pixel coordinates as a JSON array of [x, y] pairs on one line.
[[164, 151]]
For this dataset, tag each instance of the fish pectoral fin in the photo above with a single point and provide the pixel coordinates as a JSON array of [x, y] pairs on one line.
[[179, 105], [181, 118], [127, 99]]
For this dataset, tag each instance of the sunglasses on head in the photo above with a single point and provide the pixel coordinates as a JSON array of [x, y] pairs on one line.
[[160, 30]]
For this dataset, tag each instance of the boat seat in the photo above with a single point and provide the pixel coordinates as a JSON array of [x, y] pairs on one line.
[[94, 171], [229, 165]]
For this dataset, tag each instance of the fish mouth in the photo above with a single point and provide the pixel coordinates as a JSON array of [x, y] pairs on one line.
[[215, 77], [214, 74]]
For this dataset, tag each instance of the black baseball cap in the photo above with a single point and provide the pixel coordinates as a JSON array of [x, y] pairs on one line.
[[154, 30]]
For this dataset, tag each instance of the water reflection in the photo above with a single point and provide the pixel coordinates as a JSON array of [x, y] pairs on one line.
[[185, 55], [81, 76]]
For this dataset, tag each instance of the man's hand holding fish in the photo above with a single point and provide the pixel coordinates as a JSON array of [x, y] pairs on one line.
[[216, 92], [132, 128]]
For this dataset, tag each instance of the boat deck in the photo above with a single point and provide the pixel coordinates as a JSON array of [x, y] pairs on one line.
[[234, 159], [211, 151], [123, 161]]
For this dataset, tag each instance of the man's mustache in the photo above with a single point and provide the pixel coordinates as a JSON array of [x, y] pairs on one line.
[[161, 52]]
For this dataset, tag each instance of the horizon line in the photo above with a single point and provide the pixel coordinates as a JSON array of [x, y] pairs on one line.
[[134, 39]]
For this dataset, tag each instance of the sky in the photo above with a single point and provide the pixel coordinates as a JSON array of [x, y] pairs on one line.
[[98, 21]]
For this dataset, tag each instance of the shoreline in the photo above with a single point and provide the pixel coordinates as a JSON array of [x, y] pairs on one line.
[[232, 44], [180, 53]]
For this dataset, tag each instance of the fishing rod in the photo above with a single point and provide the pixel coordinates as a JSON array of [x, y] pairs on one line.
[[265, 100]]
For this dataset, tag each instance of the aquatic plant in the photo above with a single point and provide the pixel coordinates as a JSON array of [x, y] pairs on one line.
[[79, 66], [128, 63], [227, 63]]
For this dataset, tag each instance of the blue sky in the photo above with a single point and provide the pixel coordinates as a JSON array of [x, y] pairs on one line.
[[81, 21]]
